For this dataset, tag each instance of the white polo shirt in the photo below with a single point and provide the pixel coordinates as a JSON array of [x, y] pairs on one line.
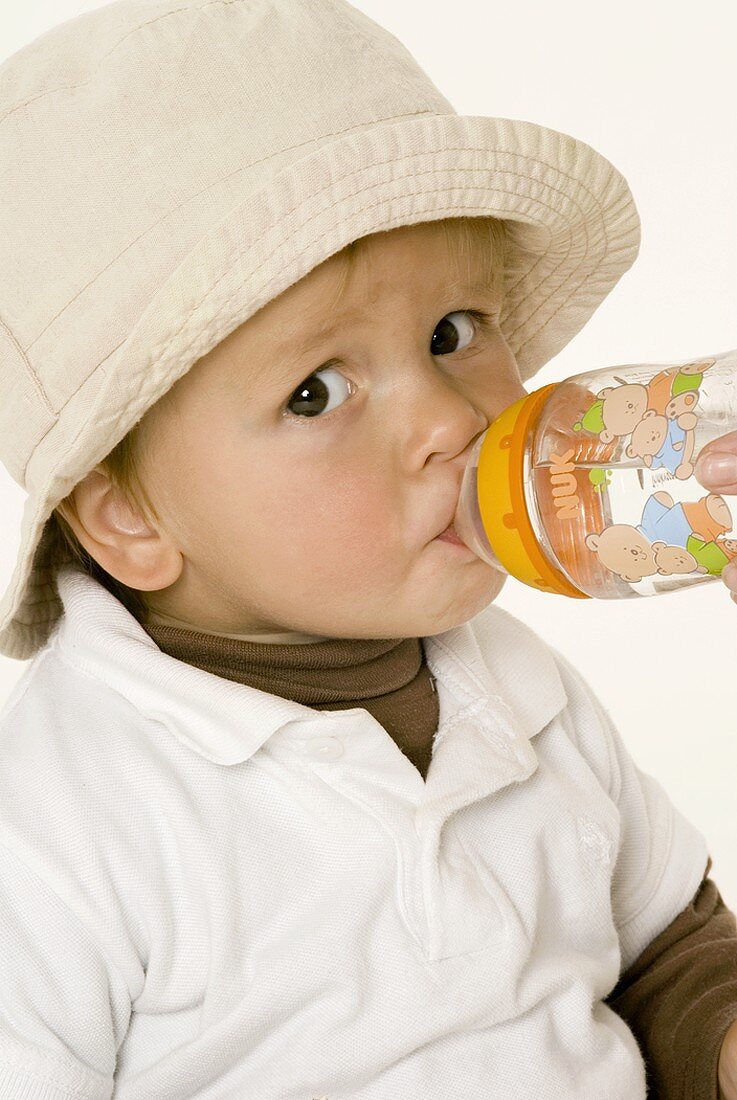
[[210, 891]]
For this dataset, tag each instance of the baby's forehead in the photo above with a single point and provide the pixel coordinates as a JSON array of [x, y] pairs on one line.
[[306, 332], [413, 259], [330, 298], [412, 274]]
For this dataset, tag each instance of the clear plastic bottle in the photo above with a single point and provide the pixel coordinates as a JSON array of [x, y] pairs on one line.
[[585, 487]]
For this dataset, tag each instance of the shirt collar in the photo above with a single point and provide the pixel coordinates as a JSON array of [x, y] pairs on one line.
[[493, 654]]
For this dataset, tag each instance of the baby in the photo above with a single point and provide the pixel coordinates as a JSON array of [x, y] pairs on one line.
[[289, 809]]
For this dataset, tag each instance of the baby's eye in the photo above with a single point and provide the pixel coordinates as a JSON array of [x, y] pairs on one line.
[[445, 330], [312, 397]]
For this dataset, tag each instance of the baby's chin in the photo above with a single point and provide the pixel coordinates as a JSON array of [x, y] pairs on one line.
[[463, 612], [415, 618], [417, 605], [451, 606]]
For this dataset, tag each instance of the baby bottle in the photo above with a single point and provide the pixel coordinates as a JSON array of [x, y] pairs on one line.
[[586, 488]]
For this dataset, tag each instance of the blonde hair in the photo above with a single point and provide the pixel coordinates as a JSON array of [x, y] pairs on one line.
[[471, 240]]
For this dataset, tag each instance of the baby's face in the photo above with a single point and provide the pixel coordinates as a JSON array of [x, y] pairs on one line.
[[304, 467]]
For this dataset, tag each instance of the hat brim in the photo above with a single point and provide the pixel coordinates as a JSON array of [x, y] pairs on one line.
[[574, 230]]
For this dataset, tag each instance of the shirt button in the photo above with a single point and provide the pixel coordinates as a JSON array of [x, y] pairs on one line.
[[325, 748]]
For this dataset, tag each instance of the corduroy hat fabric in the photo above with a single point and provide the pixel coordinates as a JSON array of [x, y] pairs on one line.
[[170, 166]]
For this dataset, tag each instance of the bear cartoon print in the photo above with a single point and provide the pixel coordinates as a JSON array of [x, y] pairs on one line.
[[671, 395], [663, 442], [671, 538], [624, 550]]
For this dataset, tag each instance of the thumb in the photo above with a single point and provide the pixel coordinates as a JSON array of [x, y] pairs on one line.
[[716, 466]]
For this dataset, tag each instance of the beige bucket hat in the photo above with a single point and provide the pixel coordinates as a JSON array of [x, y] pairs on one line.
[[169, 166]]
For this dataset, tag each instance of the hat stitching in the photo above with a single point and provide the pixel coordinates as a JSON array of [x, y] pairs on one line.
[[113, 48], [316, 140], [560, 174], [92, 373], [416, 194], [197, 195], [347, 25], [162, 351], [383, 183], [374, 164], [414, 175], [31, 372]]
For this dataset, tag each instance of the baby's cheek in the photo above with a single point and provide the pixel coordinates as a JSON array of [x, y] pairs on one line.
[[342, 514], [359, 503], [351, 536]]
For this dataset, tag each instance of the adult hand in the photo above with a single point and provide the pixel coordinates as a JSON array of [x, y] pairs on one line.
[[716, 469], [727, 1073]]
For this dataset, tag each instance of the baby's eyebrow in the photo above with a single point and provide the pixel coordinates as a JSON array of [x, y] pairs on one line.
[[298, 345]]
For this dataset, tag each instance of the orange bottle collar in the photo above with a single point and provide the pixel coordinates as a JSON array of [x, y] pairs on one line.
[[501, 498]]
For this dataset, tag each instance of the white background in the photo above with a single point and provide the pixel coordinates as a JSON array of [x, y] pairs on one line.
[[653, 87]]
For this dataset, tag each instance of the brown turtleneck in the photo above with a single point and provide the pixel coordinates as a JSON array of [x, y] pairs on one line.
[[678, 998], [389, 677]]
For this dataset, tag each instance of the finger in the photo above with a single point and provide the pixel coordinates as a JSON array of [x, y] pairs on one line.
[[716, 470], [729, 576]]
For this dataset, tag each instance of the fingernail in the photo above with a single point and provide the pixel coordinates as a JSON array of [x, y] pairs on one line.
[[720, 469]]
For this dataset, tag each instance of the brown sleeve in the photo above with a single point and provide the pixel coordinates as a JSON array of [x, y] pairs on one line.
[[679, 998]]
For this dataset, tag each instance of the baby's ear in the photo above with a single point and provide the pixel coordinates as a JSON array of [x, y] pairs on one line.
[[605, 435], [592, 541]]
